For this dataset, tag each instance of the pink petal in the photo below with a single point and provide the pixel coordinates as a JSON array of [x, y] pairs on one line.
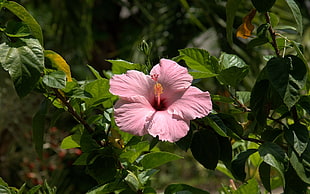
[[193, 104], [167, 127], [133, 83], [172, 76], [132, 117]]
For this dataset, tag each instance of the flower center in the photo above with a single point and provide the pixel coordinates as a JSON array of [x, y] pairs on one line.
[[158, 90]]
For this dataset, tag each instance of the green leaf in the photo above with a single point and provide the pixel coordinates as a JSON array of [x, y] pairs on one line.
[[59, 63], [304, 102], [217, 124], [184, 189], [121, 66], [26, 17], [200, 61], [231, 124], [273, 155], [297, 14], [251, 186], [38, 127], [263, 5], [72, 141], [95, 72], [133, 181], [103, 169], [238, 164], [155, 159], [298, 136], [17, 29], [99, 90], [225, 149], [131, 153], [287, 76], [232, 69], [257, 42], [264, 174], [24, 61], [145, 176], [55, 79], [299, 168], [231, 9], [205, 148]]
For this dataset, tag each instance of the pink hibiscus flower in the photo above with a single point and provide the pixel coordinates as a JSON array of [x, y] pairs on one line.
[[160, 104]]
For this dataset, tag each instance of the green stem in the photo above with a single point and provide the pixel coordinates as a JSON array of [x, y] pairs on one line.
[[272, 34]]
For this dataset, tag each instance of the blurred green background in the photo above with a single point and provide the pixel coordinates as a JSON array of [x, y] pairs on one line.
[[87, 32]]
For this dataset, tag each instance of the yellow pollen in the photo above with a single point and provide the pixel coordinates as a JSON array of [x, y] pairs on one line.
[[158, 90]]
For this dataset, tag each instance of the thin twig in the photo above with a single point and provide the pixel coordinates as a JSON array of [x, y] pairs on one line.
[[273, 35], [72, 111]]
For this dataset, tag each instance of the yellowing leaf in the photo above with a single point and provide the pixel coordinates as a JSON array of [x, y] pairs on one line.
[[59, 63], [246, 28], [115, 139]]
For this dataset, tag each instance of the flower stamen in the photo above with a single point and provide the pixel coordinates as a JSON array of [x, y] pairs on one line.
[[158, 88]]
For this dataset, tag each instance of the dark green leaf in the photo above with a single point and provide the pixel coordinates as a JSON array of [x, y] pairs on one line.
[[273, 155], [217, 124], [103, 169], [263, 5], [185, 142], [264, 174], [56, 79], [155, 159], [38, 127], [205, 148], [26, 17], [297, 164], [87, 143], [24, 61], [183, 188], [297, 14], [17, 29], [297, 136], [287, 76], [238, 164], [225, 149], [304, 102], [232, 69], [200, 61], [231, 9], [293, 183], [231, 124], [257, 42]]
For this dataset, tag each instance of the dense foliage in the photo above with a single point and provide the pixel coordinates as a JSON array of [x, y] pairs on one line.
[[257, 132]]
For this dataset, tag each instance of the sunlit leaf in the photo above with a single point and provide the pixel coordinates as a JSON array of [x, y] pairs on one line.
[[203, 65], [71, 141], [246, 28], [59, 63], [121, 66], [251, 186], [24, 61]]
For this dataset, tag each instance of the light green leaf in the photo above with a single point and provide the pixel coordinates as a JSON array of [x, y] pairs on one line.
[[121, 66], [133, 181], [231, 9], [251, 186], [297, 14], [26, 17], [24, 61], [99, 90], [38, 127], [203, 65], [155, 159], [72, 141], [131, 153], [56, 79]]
